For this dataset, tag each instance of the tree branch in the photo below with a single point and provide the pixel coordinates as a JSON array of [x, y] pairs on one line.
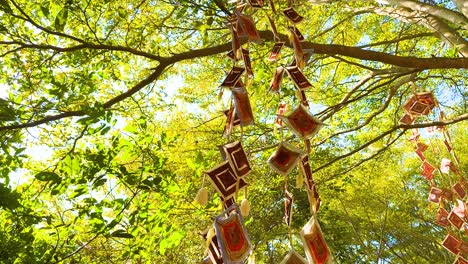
[[388, 132]]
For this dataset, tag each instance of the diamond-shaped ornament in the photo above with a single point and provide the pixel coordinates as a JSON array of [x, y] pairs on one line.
[[315, 246], [302, 122], [420, 104], [293, 258], [285, 158], [225, 179]]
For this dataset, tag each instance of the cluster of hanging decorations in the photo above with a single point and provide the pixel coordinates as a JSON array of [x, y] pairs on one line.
[[448, 188], [227, 241]]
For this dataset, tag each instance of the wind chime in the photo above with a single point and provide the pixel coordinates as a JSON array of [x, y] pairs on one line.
[[447, 185], [227, 241]]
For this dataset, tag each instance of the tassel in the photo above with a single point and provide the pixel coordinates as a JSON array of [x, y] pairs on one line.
[[202, 196], [245, 207], [251, 258], [299, 180], [209, 237]]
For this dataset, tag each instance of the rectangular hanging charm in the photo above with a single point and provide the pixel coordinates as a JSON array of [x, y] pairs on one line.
[[274, 54], [225, 180], [315, 246], [248, 27], [306, 170], [298, 77], [247, 62], [256, 3], [233, 77], [237, 157], [407, 119], [451, 243], [292, 15], [277, 78], [242, 104], [232, 236], [442, 217], [288, 204], [279, 114]]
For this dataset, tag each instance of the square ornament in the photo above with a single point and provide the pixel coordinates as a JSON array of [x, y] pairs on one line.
[[435, 195], [304, 166], [302, 122], [232, 236], [420, 104], [274, 54], [298, 77], [285, 158], [214, 252], [232, 120], [427, 170], [233, 77], [460, 260], [293, 258], [442, 217], [315, 247], [407, 119], [459, 189], [455, 220], [225, 180], [292, 15], [237, 157], [451, 243]]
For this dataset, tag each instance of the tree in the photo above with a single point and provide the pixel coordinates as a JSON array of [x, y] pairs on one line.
[[109, 115]]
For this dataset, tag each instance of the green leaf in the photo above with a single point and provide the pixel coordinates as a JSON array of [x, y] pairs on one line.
[[45, 7], [61, 19], [121, 233], [47, 176], [5, 6]]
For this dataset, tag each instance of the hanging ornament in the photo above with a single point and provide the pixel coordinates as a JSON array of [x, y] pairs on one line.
[[285, 158], [451, 243], [293, 258], [251, 258], [315, 246], [245, 207], [300, 180], [302, 122], [232, 236], [202, 196]]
